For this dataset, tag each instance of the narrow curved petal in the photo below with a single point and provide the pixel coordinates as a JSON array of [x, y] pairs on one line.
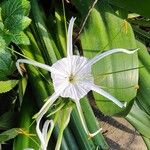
[[50, 101], [83, 121], [107, 53], [47, 105], [49, 131], [43, 136], [39, 116], [46, 126], [37, 64], [39, 133], [69, 37], [107, 95]]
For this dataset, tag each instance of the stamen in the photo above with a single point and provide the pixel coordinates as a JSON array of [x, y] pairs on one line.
[[71, 78]]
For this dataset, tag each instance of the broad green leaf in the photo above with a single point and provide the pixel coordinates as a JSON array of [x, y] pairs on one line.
[[6, 65], [17, 23], [20, 38], [7, 37], [12, 8], [9, 134], [6, 86], [140, 7], [14, 20], [103, 31]]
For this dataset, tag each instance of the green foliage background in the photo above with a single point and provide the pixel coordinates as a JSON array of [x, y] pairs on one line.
[[37, 30]]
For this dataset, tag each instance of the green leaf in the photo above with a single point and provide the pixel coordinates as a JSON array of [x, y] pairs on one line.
[[14, 19], [91, 122], [6, 65], [61, 30], [140, 120], [140, 7], [48, 45], [144, 80], [2, 44], [9, 134], [1, 23], [106, 31], [79, 133], [17, 24], [7, 37], [25, 123], [8, 120], [63, 120], [12, 8], [7, 85], [147, 142], [21, 38]]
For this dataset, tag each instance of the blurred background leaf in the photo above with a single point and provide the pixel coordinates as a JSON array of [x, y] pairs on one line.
[[136, 6], [118, 76]]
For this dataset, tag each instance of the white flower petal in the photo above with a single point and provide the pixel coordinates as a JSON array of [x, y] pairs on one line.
[[78, 70], [83, 121], [37, 64], [50, 101], [81, 116], [69, 38], [102, 55], [47, 105], [60, 65], [45, 129], [79, 65], [43, 136], [39, 116], [39, 133], [50, 131], [107, 95], [75, 91]]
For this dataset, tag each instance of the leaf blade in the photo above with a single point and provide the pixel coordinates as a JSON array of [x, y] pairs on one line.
[[7, 85]]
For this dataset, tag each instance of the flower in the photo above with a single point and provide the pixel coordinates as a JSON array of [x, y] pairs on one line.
[[72, 78]]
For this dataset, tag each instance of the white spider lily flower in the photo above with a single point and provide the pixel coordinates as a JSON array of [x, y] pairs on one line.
[[72, 77], [43, 134]]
